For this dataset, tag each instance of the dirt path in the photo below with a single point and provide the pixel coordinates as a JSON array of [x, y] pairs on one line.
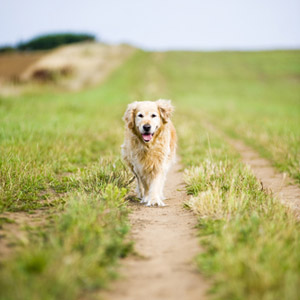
[[282, 186], [166, 240]]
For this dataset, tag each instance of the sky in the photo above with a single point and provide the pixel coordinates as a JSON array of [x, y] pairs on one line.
[[159, 24]]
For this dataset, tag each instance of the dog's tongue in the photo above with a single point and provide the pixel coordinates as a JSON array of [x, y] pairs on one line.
[[147, 137]]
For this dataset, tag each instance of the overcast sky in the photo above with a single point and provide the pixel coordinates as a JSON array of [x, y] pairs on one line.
[[159, 24]]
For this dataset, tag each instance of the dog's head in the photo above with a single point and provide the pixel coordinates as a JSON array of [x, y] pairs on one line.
[[145, 118]]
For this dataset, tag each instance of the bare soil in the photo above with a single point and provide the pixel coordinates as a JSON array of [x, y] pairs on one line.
[[12, 65], [14, 233], [166, 244]]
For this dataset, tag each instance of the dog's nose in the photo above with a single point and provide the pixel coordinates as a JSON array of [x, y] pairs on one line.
[[147, 127]]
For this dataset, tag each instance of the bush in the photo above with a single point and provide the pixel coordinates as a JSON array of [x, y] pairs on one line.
[[51, 41], [6, 49]]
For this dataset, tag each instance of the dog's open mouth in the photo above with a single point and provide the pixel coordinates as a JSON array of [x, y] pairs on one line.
[[147, 137]]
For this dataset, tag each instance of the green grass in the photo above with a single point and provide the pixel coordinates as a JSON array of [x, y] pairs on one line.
[[251, 242], [60, 151], [46, 137], [79, 250], [252, 96]]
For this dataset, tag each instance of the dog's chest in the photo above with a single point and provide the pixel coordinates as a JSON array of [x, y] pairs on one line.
[[152, 160]]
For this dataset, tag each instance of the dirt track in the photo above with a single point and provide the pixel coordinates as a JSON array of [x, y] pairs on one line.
[[166, 243], [280, 184]]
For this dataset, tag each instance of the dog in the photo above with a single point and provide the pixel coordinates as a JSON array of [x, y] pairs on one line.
[[149, 147]]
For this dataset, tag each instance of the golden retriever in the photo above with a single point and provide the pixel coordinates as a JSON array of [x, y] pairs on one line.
[[149, 147]]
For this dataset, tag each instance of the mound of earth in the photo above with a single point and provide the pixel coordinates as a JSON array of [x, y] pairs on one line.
[[78, 65], [71, 67]]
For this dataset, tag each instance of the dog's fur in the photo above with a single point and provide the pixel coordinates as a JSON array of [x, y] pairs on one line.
[[149, 154]]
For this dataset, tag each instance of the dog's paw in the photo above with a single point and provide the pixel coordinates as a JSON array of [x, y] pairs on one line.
[[149, 201], [144, 200], [161, 203], [162, 197], [139, 194], [154, 202]]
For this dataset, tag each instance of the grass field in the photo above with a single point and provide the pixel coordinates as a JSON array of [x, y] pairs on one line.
[[251, 240], [60, 152], [252, 96]]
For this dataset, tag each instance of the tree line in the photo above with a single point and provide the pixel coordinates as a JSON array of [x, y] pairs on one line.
[[49, 41]]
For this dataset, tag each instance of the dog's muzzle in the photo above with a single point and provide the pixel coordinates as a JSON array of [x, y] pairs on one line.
[[146, 134]]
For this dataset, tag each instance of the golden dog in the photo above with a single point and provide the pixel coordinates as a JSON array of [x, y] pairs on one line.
[[149, 147]]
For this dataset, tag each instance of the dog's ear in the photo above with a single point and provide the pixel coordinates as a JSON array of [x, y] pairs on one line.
[[129, 114], [165, 108]]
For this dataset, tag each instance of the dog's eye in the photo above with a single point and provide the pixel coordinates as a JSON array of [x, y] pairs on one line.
[[153, 116], [140, 116]]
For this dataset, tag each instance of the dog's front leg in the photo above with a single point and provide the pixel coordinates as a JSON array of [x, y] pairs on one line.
[[139, 186], [154, 196], [140, 189], [145, 187], [162, 182]]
